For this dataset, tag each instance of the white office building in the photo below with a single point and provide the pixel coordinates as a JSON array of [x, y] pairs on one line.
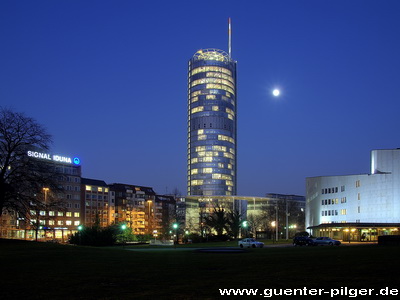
[[357, 207]]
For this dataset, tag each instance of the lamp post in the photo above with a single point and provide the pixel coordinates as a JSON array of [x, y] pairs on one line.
[[175, 226], [123, 227], [276, 220], [245, 225], [45, 190], [80, 228], [273, 224]]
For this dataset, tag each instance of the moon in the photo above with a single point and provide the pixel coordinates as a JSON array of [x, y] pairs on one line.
[[276, 92]]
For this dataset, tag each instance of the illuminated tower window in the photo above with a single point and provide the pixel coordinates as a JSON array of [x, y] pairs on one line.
[[212, 123]]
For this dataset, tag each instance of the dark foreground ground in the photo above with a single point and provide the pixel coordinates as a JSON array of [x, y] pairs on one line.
[[31, 270]]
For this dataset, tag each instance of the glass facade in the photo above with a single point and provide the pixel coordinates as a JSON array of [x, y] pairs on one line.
[[211, 124]]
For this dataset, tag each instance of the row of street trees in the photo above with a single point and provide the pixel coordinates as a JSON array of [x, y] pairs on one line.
[[273, 217]]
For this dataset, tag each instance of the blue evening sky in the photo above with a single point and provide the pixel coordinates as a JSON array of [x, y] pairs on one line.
[[108, 79]]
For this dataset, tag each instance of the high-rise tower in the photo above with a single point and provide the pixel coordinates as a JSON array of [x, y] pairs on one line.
[[212, 123]]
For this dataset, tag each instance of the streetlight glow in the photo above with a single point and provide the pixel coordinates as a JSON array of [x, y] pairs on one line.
[[276, 92]]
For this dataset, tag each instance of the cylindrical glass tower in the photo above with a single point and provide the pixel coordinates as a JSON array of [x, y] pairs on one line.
[[211, 124]]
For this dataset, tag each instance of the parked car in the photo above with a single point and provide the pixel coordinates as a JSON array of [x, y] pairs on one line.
[[303, 241], [250, 242], [326, 241]]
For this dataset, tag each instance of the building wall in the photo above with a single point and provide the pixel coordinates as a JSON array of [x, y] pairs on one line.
[[366, 198], [61, 214], [211, 124], [98, 204]]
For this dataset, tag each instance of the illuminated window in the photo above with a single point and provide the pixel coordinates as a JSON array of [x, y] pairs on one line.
[[207, 159], [68, 214], [230, 117], [194, 160], [194, 99], [60, 222], [220, 165], [219, 148], [343, 211], [88, 188], [68, 222], [207, 170], [215, 108], [229, 111], [60, 213], [99, 189], [76, 214], [212, 69], [223, 176], [222, 137], [200, 131], [196, 182], [202, 137], [228, 155], [200, 148], [105, 190], [51, 222], [197, 109], [194, 171], [76, 223]]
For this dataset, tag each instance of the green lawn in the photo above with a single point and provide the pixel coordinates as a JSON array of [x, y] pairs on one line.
[[31, 270]]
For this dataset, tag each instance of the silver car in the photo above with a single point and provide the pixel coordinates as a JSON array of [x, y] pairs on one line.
[[250, 242], [326, 241]]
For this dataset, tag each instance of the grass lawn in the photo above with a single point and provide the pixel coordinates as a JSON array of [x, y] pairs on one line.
[[31, 270]]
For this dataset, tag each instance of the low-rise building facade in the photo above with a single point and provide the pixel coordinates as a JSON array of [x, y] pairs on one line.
[[357, 207]]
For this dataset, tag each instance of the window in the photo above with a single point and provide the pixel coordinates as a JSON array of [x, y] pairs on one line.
[[51, 213], [68, 222], [88, 188], [68, 214], [60, 222], [76, 214], [60, 214], [76, 223], [77, 205], [358, 183], [358, 196]]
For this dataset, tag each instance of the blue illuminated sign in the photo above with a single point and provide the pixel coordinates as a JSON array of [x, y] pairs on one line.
[[77, 161]]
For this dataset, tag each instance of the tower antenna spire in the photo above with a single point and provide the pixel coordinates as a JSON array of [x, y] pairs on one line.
[[229, 37]]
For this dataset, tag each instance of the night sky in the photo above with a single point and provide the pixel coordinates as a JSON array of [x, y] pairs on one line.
[[108, 79]]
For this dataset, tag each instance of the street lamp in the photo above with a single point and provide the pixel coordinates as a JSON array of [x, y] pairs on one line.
[[273, 224], [45, 190], [80, 228], [245, 224], [175, 226], [123, 227]]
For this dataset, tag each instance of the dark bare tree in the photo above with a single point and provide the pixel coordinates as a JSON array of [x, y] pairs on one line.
[[234, 220], [22, 178]]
